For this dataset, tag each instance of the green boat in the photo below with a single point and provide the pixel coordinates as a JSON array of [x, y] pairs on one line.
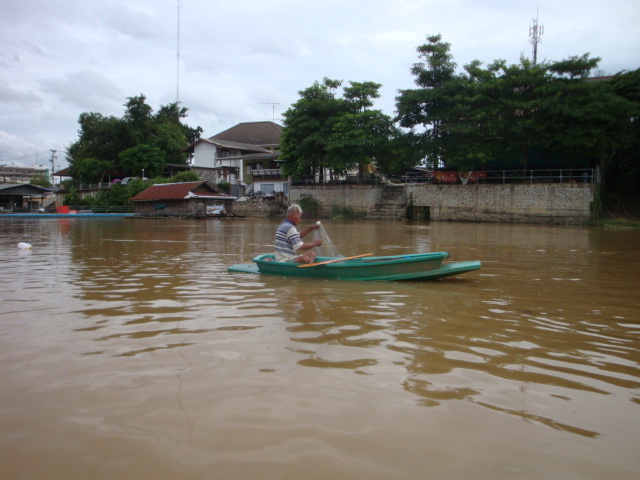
[[418, 266]]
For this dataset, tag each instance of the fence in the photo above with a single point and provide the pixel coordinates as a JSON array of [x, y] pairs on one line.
[[504, 176], [104, 208]]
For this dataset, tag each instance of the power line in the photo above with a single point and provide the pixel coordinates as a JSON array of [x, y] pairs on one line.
[[25, 157]]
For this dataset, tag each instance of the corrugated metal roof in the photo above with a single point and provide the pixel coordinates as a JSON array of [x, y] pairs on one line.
[[22, 189], [178, 191]]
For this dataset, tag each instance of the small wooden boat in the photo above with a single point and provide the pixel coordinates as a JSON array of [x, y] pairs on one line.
[[418, 266]]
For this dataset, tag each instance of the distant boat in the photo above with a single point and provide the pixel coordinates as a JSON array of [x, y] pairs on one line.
[[417, 266]]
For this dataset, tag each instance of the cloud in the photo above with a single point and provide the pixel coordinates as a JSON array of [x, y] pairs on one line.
[[130, 23], [59, 58], [86, 90]]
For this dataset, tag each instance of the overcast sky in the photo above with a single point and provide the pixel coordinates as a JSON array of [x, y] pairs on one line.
[[60, 58]]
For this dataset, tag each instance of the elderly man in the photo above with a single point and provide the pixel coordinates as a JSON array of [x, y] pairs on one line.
[[288, 240]]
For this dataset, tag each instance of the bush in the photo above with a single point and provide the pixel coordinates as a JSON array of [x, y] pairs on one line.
[[186, 176], [338, 213], [307, 202]]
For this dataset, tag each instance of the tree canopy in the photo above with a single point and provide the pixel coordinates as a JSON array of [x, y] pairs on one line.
[[326, 131], [499, 112], [140, 140]]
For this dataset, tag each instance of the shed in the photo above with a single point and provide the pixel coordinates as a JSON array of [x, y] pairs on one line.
[[21, 196], [185, 199]]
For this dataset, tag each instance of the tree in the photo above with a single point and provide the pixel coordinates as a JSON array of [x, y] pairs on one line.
[[41, 181], [358, 139], [91, 170], [141, 158], [500, 112], [308, 124], [426, 106], [103, 139], [623, 170], [323, 131], [186, 176], [583, 118]]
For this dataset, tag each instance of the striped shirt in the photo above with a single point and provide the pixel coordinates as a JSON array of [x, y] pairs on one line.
[[287, 241]]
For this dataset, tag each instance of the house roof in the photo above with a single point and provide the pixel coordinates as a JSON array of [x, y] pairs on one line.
[[254, 133], [22, 189], [248, 147], [65, 172], [179, 191]]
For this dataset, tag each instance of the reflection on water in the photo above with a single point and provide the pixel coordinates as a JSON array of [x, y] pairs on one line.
[[132, 330]]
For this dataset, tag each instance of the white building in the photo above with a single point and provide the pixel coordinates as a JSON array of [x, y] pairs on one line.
[[245, 156]]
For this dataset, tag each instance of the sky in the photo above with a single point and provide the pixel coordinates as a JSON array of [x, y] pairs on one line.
[[233, 61]]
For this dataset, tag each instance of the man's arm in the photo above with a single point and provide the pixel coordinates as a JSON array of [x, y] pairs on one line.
[[308, 230]]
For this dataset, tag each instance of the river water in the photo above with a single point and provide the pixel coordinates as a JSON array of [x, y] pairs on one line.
[[128, 352]]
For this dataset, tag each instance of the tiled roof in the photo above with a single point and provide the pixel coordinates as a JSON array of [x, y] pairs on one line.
[[178, 191], [254, 133]]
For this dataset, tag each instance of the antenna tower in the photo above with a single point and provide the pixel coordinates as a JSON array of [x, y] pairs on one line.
[[178, 58], [273, 107], [535, 33]]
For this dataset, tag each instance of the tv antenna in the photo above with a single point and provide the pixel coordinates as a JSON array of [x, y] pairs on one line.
[[273, 108], [535, 33]]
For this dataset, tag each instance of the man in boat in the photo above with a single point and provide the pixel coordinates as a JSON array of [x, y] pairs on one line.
[[289, 242]]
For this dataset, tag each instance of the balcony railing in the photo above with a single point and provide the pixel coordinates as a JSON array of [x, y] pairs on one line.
[[266, 172]]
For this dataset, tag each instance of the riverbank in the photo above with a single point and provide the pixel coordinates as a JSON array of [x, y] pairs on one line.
[[620, 211]]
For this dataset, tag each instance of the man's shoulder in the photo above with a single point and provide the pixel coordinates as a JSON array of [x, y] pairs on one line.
[[286, 226]]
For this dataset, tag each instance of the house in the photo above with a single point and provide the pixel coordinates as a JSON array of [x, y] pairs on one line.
[[185, 199], [22, 197], [245, 156]]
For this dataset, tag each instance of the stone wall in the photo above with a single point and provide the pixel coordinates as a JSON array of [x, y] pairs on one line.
[[355, 197], [259, 208], [529, 203]]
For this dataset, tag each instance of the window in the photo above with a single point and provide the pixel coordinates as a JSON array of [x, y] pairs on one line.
[[266, 188]]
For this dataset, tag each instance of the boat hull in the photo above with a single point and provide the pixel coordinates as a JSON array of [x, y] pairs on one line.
[[421, 266]]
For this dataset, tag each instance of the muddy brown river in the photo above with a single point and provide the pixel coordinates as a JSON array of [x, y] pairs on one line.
[[128, 352]]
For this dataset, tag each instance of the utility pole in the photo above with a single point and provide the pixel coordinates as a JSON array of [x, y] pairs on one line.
[[53, 164], [273, 105], [535, 33]]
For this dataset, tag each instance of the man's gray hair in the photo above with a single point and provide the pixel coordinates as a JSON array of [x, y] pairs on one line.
[[294, 208]]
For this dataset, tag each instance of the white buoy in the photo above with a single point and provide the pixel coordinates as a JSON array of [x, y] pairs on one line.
[[24, 246]]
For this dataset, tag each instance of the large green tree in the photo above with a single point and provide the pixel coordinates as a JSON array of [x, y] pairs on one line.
[[500, 112], [423, 110], [623, 170], [102, 139], [324, 131], [308, 124]]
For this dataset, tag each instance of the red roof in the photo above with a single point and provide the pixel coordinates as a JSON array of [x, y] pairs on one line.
[[179, 191]]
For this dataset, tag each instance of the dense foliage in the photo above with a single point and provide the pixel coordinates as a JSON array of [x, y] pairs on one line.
[[495, 116], [120, 195], [140, 140], [325, 131]]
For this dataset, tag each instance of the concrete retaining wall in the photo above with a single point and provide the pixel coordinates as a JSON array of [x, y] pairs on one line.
[[529, 203]]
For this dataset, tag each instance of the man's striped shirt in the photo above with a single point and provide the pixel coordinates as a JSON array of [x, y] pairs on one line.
[[287, 241]]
